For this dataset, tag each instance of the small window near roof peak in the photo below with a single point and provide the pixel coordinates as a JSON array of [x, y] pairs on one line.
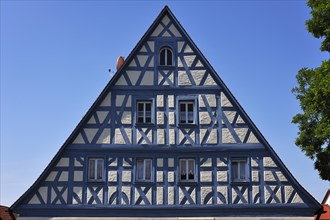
[[166, 57]]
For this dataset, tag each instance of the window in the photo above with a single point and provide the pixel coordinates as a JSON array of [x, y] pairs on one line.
[[186, 112], [166, 57], [95, 169], [144, 112], [239, 170], [143, 169], [187, 170]]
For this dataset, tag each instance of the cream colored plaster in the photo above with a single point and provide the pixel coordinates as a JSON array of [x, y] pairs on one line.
[[170, 162], [254, 162], [132, 63], [230, 115], [91, 120], [204, 118], [43, 191], [125, 163], [121, 81], [104, 137], [133, 76], [102, 115], [207, 163], [206, 176], [227, 138], [160, 162], [175, 31], [172, 136], [171, 101], [160, 136], [222, 176], [152, 62], [79, 139], [180, 45], [189, 59], [114, 163], [160, 118], [126, 176], [241, 133], [252, 139], [199, 64], [160, 195], [280, 176], [160, 101], [183, 79], [143, 49], [142, 59], [106, 101], [210, 81], [151, 45], [170, 195], [119, 137], [90, 133], [127, 191], [188, 49], [160, 176], [197, 75], [225, 101], [78, 176], [166, 34], [79, 194], [220, 163], [64, 162], [171, 118], [157, 31], [223, 191], [255, 176], [126, 118], [148, 79], [255, 192], [51, 176], [213, 137], [268, 176], [240, 120], [170, 176], [112, 176], [180, 62], [268, 162], [204, 192]]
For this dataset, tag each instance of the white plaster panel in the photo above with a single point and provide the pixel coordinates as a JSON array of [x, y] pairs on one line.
[[210, 81], [188, 49], [254, 162], [180, 62], [268, 194], [207, 163], [143, 49], [268, 176], [204, 118], [230, 115], [104, 137], [268, 162], [149, 136], [160, 176], [111, 190], [91, 120], [222, 176], [151, 44], [43, 191], [121, 81], [102, 115], [241, 133], [160, 101], [132, 63], [79, 193], [149, 195], [223, 191], [160, 162], [64, 162], [172, 136], [171, 101], [148, 79], [211, 100], [165, 20], [202, 134], [114, 163], [225, 101], [255, 192], [127, 191], [199, 64], [280, 176], [119, 100], [220, 163], [160, 136], [90, 133], [79, 140], [171, 118], [252, 139], [234, 194], [34, 200], [51, 176], [170, 176], [157, 31], [198, 75], [160, 118], [240, 120], [255, 176], [119, 137], [152, 62], [160, 196], [112, 176], [170, 162], [213, 137], [180, 45], [125, 163], [126, 118], [133, 76], [170, 195], [78, 176], [204, 192], [183, 79], [166, 34], [206, 176], [189, 59], [142, 59], [227, 138], [174, 31], [106, 101], [126, 175], [64, 176]]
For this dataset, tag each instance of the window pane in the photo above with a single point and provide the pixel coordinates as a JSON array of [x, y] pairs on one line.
[[242, 170], [169, 57], [182, 107], [190, 107], [162, 57], [99, 169], [91, 169], [183, 172], [190, 117], [148, 119], [234, 168], [148, 106], [139, 169], [183, 117], [148, 169], [140, 107], [140, 119], [191, 169]]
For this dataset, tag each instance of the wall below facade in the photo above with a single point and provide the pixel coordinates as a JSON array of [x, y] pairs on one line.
[[166, 218]]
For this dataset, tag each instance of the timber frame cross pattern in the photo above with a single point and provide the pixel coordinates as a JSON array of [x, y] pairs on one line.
[[233, 171]]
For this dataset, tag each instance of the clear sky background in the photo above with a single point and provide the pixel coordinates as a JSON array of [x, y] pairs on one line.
[[55, 57]]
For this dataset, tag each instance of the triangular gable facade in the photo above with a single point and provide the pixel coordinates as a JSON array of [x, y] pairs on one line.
[[164, 114]]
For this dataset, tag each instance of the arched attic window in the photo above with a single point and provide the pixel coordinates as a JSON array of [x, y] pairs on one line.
[[166, 56]]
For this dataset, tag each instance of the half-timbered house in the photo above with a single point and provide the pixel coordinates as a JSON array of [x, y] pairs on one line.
[[166, 138]]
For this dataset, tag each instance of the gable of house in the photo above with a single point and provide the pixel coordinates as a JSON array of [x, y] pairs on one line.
[[168, 116]]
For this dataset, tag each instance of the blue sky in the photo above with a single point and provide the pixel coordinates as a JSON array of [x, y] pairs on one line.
[[55, 57]]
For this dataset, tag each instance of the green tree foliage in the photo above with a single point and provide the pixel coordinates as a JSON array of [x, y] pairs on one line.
[[313, 92]]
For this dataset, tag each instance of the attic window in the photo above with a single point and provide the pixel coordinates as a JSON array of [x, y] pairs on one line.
[[166, 57]]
